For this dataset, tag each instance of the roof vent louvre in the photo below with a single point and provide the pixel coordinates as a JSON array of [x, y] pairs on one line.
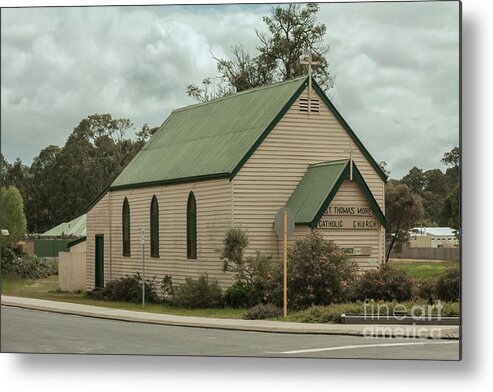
[[303, 105]]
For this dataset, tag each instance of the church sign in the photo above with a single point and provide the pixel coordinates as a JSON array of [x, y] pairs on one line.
[[363, 251], [336, 222], [348, 217], [349, 210]]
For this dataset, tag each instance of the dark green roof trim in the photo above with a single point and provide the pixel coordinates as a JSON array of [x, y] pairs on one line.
[[76, 241], [155, 183], [312, 190], [96, 199], [344, 176], [366, 190], [269, 128], [348, 129], [171, 181], [364, 187]]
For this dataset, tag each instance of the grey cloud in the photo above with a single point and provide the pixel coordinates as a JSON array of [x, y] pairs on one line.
[[396, 68], [397, 78], [60, 65]]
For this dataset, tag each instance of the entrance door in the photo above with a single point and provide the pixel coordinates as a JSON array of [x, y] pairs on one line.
[[99, 267]]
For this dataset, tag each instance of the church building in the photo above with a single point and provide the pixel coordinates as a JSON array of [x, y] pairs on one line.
[[234, 161]]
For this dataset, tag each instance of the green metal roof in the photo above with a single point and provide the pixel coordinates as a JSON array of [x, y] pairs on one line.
[[211, 139], [319, 181], [318, 187], [76, 227], [216, 138]]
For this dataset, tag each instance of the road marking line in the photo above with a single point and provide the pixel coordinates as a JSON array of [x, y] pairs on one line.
[[315, 350]]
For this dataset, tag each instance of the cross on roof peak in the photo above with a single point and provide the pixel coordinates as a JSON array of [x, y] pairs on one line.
[[310, 63], [350, 160]]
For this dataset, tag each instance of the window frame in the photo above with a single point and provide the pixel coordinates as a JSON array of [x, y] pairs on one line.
[[192, 227], [126, 249], [154, 227]]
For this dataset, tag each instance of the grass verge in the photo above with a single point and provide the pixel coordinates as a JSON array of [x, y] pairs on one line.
[[48, 289], [332, 313], [423, 270]]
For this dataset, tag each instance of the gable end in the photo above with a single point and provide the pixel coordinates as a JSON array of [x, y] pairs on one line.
[[348, 129], [266, 132], [303, 107]]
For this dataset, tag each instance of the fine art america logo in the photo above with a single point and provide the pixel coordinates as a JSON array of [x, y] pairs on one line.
[[379, 313]]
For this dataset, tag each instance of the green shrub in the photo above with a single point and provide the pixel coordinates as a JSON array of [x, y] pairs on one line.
[[448, 284], [26, 266], [167, 289], [318, 274], [243, 295], [237, 296], [326, 314], [127, 289], [13, 217], [386, 284], [200, 293], [8, 255], [262, 311], [332, 313], [251, 273], [451, 308], [17, 249], [426, 289], [232, 253]]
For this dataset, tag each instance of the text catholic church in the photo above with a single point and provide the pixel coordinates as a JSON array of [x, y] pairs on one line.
[[235, 161]]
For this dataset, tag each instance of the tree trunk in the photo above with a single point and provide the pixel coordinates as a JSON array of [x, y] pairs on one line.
[[393, 240]]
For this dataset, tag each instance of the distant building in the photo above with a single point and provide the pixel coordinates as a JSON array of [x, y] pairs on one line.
[[57, 239], [433, 237], [75, 228]]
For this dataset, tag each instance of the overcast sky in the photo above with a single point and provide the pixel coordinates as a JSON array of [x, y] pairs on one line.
[[396, 67]]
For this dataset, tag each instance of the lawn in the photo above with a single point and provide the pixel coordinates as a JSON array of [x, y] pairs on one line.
[[39, 288], [423, 269], [48, 289]]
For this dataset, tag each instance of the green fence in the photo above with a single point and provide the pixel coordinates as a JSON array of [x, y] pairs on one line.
[[50, 247]]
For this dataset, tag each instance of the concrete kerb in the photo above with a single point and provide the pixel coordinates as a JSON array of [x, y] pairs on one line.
[[370, 331]]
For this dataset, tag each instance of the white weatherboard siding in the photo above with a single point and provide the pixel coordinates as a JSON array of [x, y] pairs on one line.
[[270, 176], [350, 194], [213, 219], [97, 223]]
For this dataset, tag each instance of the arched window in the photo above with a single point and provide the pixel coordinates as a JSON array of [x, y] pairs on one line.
[[154, 227], [191, 227], [126, 227]]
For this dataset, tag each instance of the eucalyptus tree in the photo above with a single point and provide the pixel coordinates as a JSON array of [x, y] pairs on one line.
[[292, 31]]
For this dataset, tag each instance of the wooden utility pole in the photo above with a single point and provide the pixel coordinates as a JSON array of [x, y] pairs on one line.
[[284, 226], [142, 239], [285, 275]]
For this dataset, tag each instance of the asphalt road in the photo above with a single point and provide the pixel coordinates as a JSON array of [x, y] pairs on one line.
[[32, 331]]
